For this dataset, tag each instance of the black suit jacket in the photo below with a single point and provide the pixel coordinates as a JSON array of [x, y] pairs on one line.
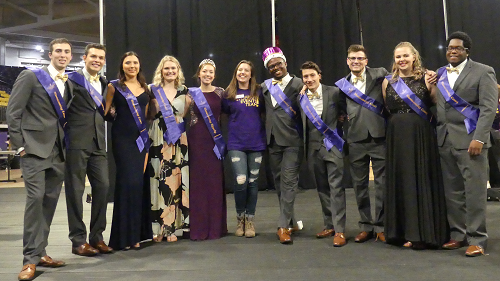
[[278, 122], [84, 120], [313, 139], [362, 121]]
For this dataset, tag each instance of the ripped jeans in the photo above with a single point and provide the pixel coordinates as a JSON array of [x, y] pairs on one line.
[[246, 165]]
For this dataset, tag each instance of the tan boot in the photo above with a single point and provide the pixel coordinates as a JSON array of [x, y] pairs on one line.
[[240, 228], [249, 227]]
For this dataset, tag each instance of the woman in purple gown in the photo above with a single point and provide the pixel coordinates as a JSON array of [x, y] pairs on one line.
[[206, 176]]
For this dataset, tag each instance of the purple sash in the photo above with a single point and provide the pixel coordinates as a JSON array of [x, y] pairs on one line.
[[94, 94], [362, 99], [212, 125], [332, 137], [409, 97], [471, 113], [55, 97], [174, 130], [135, 110], [284, 102]]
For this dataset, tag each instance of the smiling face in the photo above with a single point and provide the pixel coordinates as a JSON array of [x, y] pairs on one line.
[[456, 53], [169, 72], [404, 59], [94, 60], [244, 73], [357, 62], [277, 68], [60, 56], [311, 78], [131, 66], [207, 74]]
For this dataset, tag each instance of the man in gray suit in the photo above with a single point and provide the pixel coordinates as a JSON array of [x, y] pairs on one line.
[[283, 129], [366, 137], [36, 118], [466, 106], [325, 161], [86, 154]]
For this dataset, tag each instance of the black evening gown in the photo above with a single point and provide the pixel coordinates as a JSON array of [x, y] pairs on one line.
[[132, 205], [415, 208]]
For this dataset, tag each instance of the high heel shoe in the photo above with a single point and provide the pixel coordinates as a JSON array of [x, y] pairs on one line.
[[172, 238]]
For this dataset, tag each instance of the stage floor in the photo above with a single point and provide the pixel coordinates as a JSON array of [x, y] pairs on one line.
[[239, 258]]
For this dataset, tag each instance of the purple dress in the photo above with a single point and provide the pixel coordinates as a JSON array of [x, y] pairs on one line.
[[207, 201]]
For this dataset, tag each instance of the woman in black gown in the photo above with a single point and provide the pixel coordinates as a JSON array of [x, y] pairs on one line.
[[415, 214], [131, 223]]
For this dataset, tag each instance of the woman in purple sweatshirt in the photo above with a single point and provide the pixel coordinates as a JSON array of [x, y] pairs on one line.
[[246, 141]]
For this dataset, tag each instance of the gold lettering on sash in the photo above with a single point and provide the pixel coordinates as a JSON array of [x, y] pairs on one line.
[[60, 106], [135, 109]]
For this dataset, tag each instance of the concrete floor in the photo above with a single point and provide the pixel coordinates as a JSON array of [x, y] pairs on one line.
[[236, 258]]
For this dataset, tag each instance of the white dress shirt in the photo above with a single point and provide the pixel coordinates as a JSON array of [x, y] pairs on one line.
[[360, 85], [96, 84], [317, 103], [59, 83], [452, 77], [282, 85]]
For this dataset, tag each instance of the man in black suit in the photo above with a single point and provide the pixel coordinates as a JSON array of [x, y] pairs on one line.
[[324, 144], [283, 129], [366, 138], [37, 119], [86, 154], [466, 107]]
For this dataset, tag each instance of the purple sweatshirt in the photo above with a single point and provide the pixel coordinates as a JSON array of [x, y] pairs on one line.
[[246, 129]]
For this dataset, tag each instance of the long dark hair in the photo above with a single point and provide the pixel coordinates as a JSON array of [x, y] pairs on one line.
[[142, 80], [233, 85]]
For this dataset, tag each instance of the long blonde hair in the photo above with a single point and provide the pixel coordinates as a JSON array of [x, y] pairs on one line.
[[418, 70], [158, 77]]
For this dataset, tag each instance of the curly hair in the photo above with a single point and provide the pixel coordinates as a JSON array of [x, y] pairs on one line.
[[418, 70], [462, 36]]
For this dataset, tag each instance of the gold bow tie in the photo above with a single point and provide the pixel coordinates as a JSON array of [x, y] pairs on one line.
[[93, 79], [62, 77], [277, 82], [452, 69], [355, 79], [314, 95]]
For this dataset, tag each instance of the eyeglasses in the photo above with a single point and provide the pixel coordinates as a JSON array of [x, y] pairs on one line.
[[458, 49], [356, 58], [273, 66]]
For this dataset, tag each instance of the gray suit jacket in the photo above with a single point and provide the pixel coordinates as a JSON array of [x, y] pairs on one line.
[[477, 85], [33, 122], [278, 122], [313, 139], [363, 122], [84, 120]]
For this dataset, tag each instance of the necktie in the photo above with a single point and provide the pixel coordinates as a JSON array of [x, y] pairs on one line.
[[279, 82], [355, 79], [452, 69], [312, 96], [62, 77], [93, 79]]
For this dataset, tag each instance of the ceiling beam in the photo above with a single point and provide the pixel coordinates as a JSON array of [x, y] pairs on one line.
[[48, 23], [19, 8], [50, 35]]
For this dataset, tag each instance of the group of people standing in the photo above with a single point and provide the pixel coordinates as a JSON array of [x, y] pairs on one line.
[[426, 135]]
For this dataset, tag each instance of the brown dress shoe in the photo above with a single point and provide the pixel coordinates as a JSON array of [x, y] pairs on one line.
[[380, 237], [452, 245], [284, 235], [325, 233], [27, 273], [49, 262], [474, 251], [103, 248], [85, 250], [363, 236], [339, 239]]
